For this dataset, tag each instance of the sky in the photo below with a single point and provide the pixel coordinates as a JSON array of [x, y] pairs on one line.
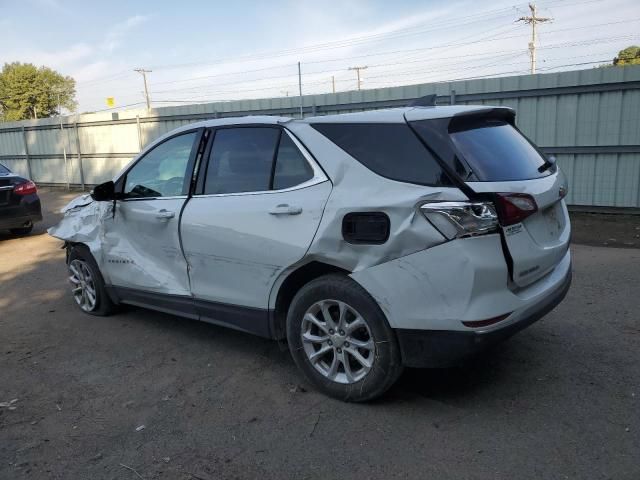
[[204, 51]]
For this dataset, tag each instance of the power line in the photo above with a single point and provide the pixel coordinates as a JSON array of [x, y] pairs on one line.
[[368, 55], [458, 21], [429, 60], [116, 108], [490, 75], [382, 53], [405, 73], [395, 74]]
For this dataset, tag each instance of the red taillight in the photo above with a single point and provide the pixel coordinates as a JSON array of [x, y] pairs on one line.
[[514, 207], [26, 188]]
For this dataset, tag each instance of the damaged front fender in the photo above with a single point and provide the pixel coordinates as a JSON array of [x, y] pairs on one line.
[[83, 222]]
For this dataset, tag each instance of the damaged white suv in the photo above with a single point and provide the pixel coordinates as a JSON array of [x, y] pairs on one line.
[[369, 241]]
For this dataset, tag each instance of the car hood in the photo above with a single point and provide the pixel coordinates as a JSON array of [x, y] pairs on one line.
[[79, 201]]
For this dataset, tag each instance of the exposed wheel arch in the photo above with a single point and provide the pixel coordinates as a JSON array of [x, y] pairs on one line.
[[288, 288]]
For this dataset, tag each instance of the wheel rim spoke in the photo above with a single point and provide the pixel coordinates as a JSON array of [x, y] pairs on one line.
[[320, 353], [358, 357], [342, 319], [356, 324], [310, 317], [328, 319], [74, 272], [308, 337], [366, 344], [337, 341], [333, 368], [347, 367]]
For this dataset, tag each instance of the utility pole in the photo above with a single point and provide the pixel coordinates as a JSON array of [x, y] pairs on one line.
[[300, 88], [357, 69], [333, 83], [533, 20], [144, 72]]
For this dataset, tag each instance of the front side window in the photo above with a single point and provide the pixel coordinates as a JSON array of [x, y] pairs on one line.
[[242, 160], [161, 172]]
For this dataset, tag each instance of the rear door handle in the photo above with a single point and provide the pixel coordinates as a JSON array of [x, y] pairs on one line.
[[285, 209], [164, 214]]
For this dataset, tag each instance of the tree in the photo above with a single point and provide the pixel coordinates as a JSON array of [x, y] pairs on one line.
[[27, 91], [628, 56]]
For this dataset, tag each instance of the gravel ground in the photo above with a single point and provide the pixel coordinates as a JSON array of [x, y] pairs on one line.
[[148, 395]]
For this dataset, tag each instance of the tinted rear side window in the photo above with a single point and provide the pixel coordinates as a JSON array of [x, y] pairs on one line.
[[389, 149], [4, 169], [241, 160], [291, 167]]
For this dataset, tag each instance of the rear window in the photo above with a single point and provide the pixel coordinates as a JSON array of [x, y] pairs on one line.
[[391, 150], [4, 169], [496, 151], [482, 147]]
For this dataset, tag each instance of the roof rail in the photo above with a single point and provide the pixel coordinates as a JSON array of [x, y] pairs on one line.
[[426, 101]]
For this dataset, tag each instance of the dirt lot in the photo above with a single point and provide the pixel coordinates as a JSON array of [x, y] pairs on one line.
[[147, 395]]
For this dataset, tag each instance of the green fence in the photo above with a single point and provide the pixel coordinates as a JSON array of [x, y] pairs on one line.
[[590, 119]]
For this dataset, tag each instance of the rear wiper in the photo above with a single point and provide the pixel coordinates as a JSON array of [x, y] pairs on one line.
[[549, 162]]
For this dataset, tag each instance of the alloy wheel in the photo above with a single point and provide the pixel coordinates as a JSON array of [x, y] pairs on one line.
[[338, 341], [83, 287]]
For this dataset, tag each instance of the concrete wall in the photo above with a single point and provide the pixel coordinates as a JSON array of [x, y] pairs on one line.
[[590, 119]]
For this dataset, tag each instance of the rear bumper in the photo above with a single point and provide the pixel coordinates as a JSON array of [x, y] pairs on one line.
[[444, 348]]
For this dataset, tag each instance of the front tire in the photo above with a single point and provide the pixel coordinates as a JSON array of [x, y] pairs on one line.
[[87, 285], [340, 339]]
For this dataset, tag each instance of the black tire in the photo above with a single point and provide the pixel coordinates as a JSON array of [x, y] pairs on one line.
[[22, 230], [103, 305], [387, 363]]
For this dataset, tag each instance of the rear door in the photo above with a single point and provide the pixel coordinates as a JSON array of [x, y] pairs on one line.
[[494, 158], [257, 209]]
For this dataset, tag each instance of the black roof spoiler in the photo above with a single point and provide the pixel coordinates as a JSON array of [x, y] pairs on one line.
[[462, 120], [426, 101]]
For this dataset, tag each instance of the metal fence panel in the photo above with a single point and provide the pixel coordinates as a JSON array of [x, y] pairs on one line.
[[590, 119]]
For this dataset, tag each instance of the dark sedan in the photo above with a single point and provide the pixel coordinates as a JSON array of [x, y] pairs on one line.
[[19, 203]]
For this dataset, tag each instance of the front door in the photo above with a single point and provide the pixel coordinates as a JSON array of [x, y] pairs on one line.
[[142, 244]]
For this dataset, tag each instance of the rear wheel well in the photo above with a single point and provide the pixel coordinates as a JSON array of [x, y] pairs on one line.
[[291, 285]]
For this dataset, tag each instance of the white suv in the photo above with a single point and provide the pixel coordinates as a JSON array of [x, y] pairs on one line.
[[369, 241]]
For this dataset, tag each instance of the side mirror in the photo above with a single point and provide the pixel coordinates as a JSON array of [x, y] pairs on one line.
[[104, 192]]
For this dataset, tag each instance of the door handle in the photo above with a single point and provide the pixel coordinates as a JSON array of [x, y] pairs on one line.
[[285, 209], [165, 214]]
